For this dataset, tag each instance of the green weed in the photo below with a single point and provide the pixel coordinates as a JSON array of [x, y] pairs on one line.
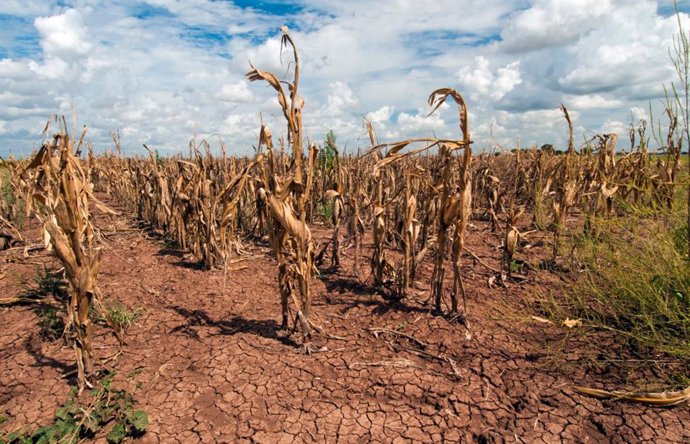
[[52, 325], [634, 281], [75, 421], [120, 315], [325, 211], [49, 282]]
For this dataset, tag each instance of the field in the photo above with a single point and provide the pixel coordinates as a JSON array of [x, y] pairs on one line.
[[416, 291], [208, 366]]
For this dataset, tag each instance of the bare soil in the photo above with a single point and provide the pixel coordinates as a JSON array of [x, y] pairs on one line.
[[205, 358]]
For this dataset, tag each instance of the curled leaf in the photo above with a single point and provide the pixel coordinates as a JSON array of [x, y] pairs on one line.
[[571, 323]]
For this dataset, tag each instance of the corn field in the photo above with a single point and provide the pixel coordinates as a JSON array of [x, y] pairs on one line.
[[393, 206]]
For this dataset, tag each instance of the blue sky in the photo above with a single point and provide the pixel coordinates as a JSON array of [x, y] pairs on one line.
[[163, 71]]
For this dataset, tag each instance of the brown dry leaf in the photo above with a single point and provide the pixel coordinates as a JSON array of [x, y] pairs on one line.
[[330, 194], [660, 399], [570, 323], [571, 146], [511, 240], [438, 97], [542, 320], [289, 220], [370, 130]]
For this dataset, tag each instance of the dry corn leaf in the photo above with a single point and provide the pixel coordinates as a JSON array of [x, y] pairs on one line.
[[571, 323], [511, 241], [542, 320], [330, 194], [660, 399], [289, 220], [438, 98]]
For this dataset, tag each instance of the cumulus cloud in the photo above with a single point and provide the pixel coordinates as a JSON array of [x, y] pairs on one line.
[[340, 99], [422, 123], [236, 92], [381, 116], [481, 81], [162, 71], [549, 23], [592, 101], [64, 34]]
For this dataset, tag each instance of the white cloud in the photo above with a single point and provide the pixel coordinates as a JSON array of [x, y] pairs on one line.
[[421, 123], [11, 69], [340, 99], [553, 22], [64, 34], [591, 101], [480, 81], [240, 125], [160, 71], [381, 116], [236, 92], [25, 7]]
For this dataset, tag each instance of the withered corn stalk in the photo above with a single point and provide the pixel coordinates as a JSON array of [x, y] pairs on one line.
[[510, 242], [567, 191], [455, 204], [286, 198], [61, 194]]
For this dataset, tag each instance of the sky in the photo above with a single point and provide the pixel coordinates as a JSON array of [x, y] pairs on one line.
[[162, 72]]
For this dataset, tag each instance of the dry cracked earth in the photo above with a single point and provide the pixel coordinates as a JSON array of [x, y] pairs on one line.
[[206, 361]]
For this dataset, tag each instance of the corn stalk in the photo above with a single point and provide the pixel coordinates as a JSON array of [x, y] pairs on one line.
[[285, 198], [61, 196]]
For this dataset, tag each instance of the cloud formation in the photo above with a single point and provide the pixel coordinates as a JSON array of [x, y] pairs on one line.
[[163, 71]]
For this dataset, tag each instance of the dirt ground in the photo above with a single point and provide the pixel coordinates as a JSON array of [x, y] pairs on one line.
[[206, 362]]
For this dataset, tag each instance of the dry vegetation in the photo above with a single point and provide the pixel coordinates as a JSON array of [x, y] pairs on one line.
[[605, 210]]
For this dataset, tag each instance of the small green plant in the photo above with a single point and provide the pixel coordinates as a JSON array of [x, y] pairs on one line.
[[75, 421], [159, 159], [326, 157], [49, 283], [8, 197], [325, 210], [52, 325], [516, 266], [10, 204], [121, 317], [680, 239]]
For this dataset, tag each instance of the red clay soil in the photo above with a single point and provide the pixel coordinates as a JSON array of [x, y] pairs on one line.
[[211, 366]]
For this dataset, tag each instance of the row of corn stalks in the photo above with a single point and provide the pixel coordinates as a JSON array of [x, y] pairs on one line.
[[414, 200]]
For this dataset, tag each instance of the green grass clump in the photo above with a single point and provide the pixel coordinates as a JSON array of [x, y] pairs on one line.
[[49, 282], [51, 323], [325, 211], [635, 281], [120, 315]]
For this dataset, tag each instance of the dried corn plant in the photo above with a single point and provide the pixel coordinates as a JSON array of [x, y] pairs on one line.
[[568, 187], [355, 198], [60, 195], [412, 202], [286, 197], [510, 243], [12, 202], [455, 203]]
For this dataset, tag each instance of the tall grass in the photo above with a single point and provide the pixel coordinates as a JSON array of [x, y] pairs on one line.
[[635, 281]]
